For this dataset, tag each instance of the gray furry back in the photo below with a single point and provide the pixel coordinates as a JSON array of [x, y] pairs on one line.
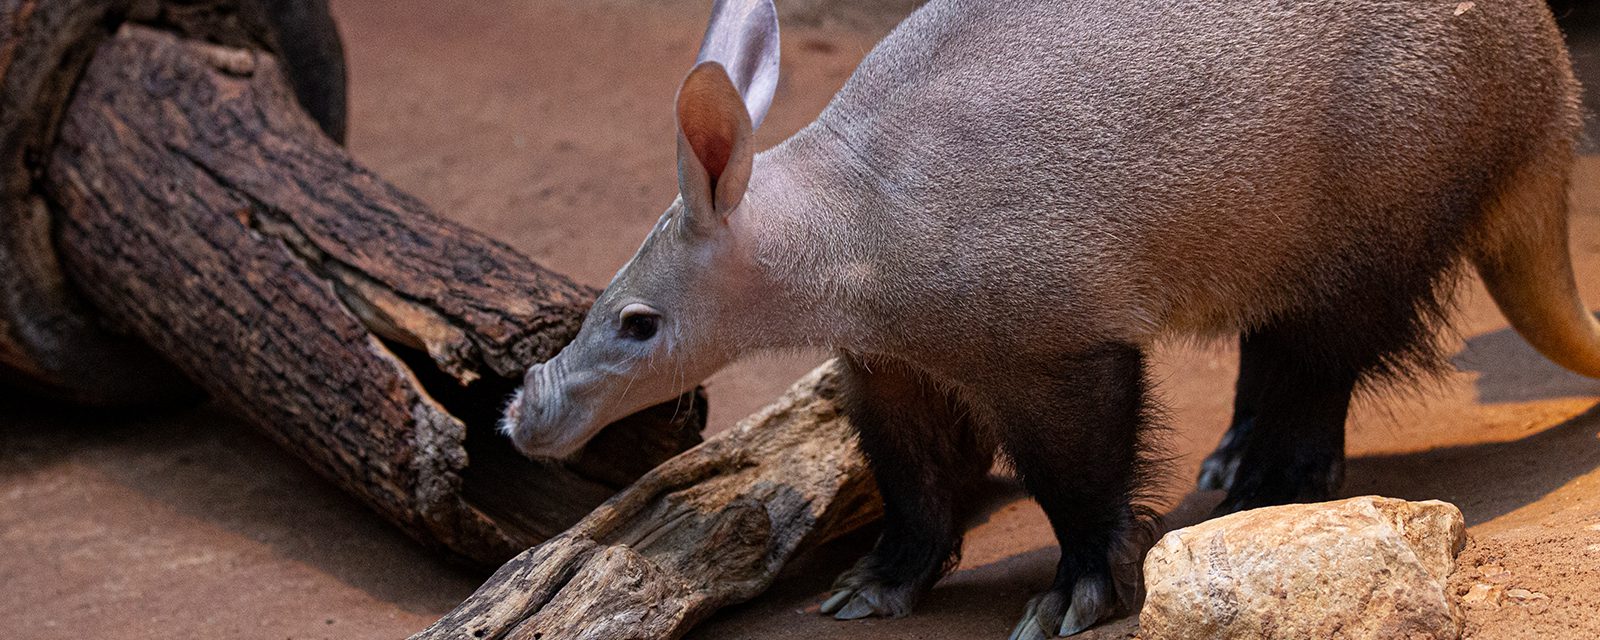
[[1185, 166]]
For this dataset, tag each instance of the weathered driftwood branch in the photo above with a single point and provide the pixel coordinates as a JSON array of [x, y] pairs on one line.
[[201, 210], [706, 529]]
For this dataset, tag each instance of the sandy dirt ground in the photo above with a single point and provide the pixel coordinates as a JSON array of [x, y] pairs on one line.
[[547, 124]]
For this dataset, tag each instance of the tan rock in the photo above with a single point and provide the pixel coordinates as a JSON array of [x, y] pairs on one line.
[[1366, 567], [1535, 602], [1484, 594], [1494, 573]]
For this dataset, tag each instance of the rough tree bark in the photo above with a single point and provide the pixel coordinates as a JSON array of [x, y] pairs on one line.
[[706, 529], [201, 210], [50, 343]]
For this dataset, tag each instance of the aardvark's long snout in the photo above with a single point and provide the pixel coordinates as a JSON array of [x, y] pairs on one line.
[[538, 419], [563, 403]]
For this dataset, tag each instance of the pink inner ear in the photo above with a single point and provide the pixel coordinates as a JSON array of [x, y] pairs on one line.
[[713, 156], [706, 113], [710, 136]]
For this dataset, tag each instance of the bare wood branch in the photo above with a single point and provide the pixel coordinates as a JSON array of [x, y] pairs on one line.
[[706, 529]]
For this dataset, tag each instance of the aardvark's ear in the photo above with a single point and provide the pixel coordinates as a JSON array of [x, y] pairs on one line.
[[721, 101], [743, 38]]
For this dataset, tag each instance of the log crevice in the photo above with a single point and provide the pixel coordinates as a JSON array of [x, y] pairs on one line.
[[475, 314], [393, 315]]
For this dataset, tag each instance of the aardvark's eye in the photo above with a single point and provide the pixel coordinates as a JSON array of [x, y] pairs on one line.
[[639, 322]]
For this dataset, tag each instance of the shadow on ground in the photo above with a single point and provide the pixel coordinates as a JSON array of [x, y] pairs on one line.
[[1509, 370], [1490, 479], [207, 465]]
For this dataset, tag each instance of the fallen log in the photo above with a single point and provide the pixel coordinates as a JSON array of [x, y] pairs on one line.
[[706, 529], [200, 210]]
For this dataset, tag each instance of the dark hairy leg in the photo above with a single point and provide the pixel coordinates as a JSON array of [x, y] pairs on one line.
[[1218, 469], [1077, 436], [1374, 320], [1287, 441], [926, 457]]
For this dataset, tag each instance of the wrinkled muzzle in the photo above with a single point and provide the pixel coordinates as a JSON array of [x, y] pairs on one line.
[[548, 417]]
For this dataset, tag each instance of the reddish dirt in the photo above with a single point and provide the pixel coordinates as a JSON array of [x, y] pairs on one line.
[[547, 124]]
